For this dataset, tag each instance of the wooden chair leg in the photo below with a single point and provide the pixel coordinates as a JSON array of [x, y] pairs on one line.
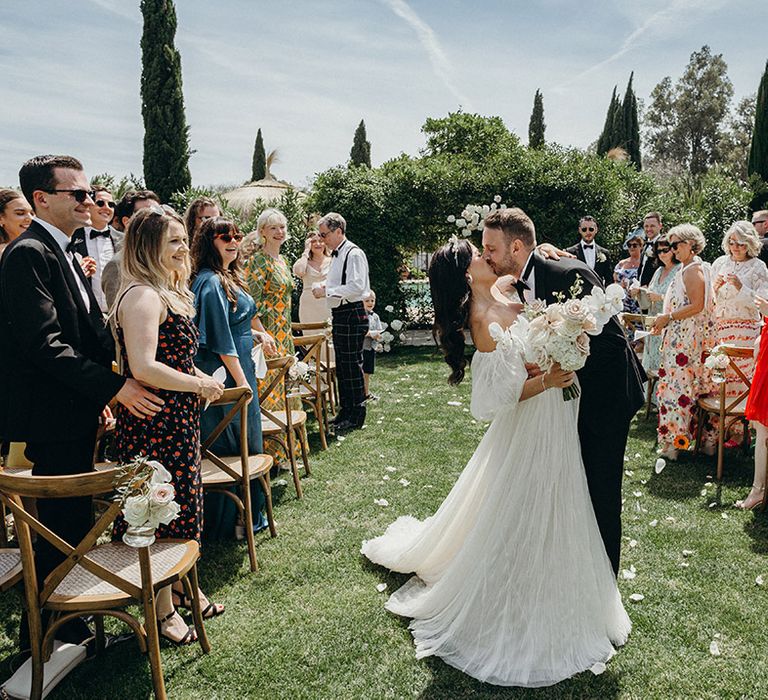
[[304, 443], [720, 446], [292, 461], [150, 626], [248, 520], [699, 430], [192, 588], [320, 415], [267, 486], [100, 637]]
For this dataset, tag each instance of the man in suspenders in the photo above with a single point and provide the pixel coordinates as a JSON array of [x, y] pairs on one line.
[[345, 287]]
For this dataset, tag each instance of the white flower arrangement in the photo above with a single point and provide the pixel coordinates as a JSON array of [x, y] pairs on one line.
[[717, 361], [298, 371], [559, 333], [146, 494], [473, 216]]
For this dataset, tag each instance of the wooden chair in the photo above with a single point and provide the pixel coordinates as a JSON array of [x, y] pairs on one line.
[[328, 363], [221, 473], [284, 426], [729, 410], [96, 579], [314, 392]]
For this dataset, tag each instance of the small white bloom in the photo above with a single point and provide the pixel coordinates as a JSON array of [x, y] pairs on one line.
[[451, 218], [497, 199], [396, 325], [389, 308]]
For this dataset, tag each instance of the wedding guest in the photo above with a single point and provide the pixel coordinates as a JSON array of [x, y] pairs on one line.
[[15, 216], [687, 324], [158, 343], [589, 252], [98, 242], [756, 411], [312, 269], [56, 353], [371, 343], [344, 289], [656, 291], [760, 222], [271, 283], [199, 211], [652, 227], [626, 271], [225, 313], [129, 204]]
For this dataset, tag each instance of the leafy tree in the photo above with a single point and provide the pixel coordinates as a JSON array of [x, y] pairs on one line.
[[630, 125], [536, 126], [471, 135], [738, 137], [685, 122], [361, 147], [758, 153], [259, 164], [166, 134], [605, 142]]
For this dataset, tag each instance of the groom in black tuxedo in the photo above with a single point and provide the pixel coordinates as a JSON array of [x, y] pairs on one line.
[[55, 351], [611, 380]]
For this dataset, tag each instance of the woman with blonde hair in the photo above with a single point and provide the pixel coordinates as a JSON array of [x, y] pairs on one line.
[[312, 269], [686, 323], [158, 342]]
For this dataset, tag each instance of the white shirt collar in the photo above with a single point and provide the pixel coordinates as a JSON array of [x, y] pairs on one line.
[[58, 235]]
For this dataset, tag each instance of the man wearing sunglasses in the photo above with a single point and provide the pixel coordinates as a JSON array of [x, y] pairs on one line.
[[652, 228], [96, 244], [591, 254]]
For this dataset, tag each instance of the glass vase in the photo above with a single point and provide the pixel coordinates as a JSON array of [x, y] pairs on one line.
[[139, 535]]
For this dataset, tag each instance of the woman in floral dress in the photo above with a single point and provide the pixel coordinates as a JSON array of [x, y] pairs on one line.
[[687, 325], [626, 271], [158, 342], [271, 284]]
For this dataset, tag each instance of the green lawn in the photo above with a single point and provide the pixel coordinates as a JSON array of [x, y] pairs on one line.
[[311, 623]]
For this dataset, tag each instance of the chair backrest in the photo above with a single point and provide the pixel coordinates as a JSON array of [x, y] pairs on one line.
[[16, 487], [313, 347], [278, 367], [237, 398], [16, 458], [735, 353], [315, 326]]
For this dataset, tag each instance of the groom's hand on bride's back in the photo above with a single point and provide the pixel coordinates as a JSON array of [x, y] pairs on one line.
[[549, 251]]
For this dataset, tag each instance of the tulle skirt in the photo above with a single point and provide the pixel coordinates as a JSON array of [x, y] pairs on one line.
[[512, 583]]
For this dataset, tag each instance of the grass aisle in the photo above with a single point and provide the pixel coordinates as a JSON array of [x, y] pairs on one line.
[[311, 623]]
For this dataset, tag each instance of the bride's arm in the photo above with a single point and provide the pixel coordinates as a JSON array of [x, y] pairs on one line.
[[556, 377]]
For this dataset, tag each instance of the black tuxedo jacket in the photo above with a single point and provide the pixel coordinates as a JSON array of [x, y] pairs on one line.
[[79, 245], [55, 355], [764, 250], [603, 269], [612, 378]]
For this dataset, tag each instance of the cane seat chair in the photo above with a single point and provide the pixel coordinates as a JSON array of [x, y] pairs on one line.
[[287, 425], [328, 360], [97, 579], [728, 409], [314, 390], [221, 472]]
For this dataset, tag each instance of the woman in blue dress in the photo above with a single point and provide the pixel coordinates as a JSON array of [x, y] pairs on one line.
[[626, 271], [226, 315]]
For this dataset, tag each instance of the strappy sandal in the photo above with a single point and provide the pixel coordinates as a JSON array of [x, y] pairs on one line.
[[189, 637], [183, 601]]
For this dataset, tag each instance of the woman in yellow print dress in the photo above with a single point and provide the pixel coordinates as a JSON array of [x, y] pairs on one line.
[[270, 282]]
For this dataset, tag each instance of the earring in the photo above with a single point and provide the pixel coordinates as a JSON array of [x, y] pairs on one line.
[[469, 279]]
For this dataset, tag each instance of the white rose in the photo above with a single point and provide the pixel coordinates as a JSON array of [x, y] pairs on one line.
[[162, 494], [396, 325], [451, 218], [582, 344], [461, 223], [577, 315], [160, 475], [166, 513], [136, 510], [497, 198]]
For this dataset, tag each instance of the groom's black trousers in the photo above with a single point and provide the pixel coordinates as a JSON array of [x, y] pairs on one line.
[[603, 454]]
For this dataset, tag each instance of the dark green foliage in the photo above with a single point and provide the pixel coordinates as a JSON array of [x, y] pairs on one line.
[[166, 134], [259, 165], [361, 147], [536, 126], [606, 137], [758, 152], [631, 125]]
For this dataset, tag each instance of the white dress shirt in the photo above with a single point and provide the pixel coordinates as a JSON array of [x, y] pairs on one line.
[[63, 240], [102, 251], [357, 284], [589, 253]]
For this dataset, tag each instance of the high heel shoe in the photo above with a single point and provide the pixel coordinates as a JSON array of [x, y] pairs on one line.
[[747, 504]]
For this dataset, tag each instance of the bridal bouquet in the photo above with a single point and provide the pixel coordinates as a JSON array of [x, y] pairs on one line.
[[560, 332], [146, 494]]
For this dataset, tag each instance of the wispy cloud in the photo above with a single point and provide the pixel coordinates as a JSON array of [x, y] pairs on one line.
[[431, 44], [671, 16]]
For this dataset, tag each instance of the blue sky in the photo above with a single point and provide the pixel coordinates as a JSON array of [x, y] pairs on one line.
[[307, 71]]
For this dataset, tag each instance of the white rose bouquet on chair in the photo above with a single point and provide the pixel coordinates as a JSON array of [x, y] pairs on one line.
[[147, 497], [718, 362], [559, 333]]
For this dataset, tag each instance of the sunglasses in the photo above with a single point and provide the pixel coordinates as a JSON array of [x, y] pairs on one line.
[[634, 245], [663, 249], [759, 221], [79, 195], [675, 244], [104, 203], [229, 237], [736, 244], [591, 229]]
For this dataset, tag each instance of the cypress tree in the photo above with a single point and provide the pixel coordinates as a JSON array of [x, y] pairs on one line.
[[166, 134], [259, 165], [758, 152], [631, 125], [361, 147], [617, 127], [604, 142], [537, 127]]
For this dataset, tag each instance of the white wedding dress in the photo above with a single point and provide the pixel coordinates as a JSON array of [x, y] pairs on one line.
[[512, 584]]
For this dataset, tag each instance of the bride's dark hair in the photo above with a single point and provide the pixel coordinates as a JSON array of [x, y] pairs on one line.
[[450, 297]]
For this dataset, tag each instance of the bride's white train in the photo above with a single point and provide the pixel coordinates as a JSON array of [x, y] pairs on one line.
[[512, 583]]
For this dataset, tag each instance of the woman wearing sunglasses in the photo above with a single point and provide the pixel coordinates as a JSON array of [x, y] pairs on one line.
[[226, 315], [626, 271], [667, 266], [687, 326]]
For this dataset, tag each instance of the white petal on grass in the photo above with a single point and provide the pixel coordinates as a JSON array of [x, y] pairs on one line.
[[381, 587], [385, 477], [724, 516], [383, 502], [684, 564], [637, 455], [391, 469], [628, 575], [714, 648], [629, 472], [759, 581], [598, 668], [454, 403], [280, 482], [713, 504], [340, 438], [703, 492], [626, 459], [404, 482], [633, 569], [687, 552], [670, 519], [398, 420], [636, 597], [643, 482], [659, 466], [633, 543], [653, 523], [637, 494]]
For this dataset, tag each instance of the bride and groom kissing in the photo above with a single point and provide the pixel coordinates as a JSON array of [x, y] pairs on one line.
[[515, 573]]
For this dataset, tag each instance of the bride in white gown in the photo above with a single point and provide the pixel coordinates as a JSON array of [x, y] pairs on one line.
[[512, 584]]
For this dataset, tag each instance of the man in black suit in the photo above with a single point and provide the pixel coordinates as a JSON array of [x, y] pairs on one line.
[[611, 380], [760, 222], [55, 351], [595, 257], [97, 244], [652, 227]]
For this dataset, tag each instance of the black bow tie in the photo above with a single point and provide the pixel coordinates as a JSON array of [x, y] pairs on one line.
[[335, 253], [520, 286], [96, 234], [70, 249], [584, 245]]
